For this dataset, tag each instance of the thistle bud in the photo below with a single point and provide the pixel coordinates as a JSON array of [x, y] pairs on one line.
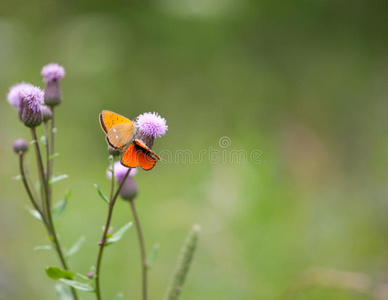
[[47, 113], [129, 189], [20, 145], [52, 75], [114, 152]]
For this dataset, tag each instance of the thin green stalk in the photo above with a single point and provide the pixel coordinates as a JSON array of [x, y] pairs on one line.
[[50, 152], [143, 252], [47, 208], [30, 196], [102, 243]]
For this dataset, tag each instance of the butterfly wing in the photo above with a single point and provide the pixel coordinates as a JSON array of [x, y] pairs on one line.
[[119, 130], [146, 161], [130, 157], [144, 147], [120, 135], [108, 119]]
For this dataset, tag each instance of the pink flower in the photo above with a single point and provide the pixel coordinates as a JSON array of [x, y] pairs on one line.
[[151, 124]]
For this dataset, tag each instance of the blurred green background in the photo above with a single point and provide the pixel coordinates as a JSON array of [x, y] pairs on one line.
[[302, 83]]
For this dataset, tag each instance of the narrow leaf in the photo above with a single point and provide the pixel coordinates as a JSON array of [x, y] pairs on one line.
[[43, 140], [119, 296], [53, 156], [103, 197], [153, 255], [119, 234], [59, 208], [183, 266], [57, 178], [58, 273], [35, 213], [63, 292], [44, 247], [77, 245], [82, 276], [78, 285]]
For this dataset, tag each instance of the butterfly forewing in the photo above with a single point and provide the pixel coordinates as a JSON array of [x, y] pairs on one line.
[[108, 119]]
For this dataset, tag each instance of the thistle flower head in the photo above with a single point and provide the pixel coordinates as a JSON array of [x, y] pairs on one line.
[[52, 72], [30, 111], [151, 124], [120, 171], [33, 97], [13, 96]]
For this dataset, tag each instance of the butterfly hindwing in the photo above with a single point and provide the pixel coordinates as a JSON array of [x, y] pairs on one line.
[[130, 157], [120, 135]]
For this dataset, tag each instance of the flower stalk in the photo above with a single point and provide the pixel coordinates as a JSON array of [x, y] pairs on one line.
[[102, 243], [143, 252]]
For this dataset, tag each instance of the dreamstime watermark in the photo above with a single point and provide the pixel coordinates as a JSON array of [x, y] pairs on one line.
[[222, 154]]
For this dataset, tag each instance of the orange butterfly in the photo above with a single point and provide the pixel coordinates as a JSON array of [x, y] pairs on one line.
[[118, 129], [138, 154], [119, 132]]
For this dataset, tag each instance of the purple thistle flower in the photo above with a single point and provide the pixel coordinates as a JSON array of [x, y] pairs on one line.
[[52, 72], [13, 97], [33, 97], [151, 124], [30, 111], [120, 171]]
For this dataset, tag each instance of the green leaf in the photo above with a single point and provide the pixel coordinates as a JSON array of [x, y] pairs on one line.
[[44, 247], [59, 208], [103, 197], [43, 140], [119, 296], [35, 213], [153, 255], [63, 292], [57, 178], [78, 285], [82, 276], [17, 177], [77, 245], [119, 234], [53, 156], [58, 273]]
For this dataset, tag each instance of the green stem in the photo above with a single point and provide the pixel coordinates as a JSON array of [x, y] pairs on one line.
[[143, 252], [50, 151], [30, 196], [54, 237], [102, 243]]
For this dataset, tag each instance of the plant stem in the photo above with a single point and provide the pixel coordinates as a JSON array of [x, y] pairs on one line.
[[143, 252], [47, 207], [50, 162], [102, 243], [33, 201]]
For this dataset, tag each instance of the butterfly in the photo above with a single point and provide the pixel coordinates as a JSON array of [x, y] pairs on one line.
[[119, 132]]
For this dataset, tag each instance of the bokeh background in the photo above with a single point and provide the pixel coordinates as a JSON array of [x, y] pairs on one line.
[[302, 83]]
